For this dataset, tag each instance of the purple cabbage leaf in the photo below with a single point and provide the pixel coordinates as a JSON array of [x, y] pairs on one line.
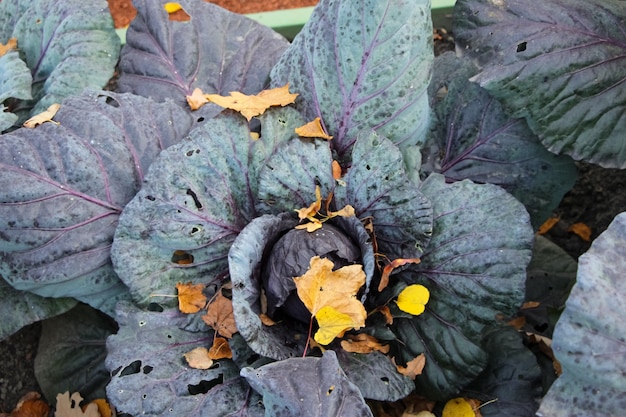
[[15, 81], [472, 138], [589, 339], [475, 269], [315, 387], [68, 45], [216, 51], [149, 375], [64, 186], [363, 65], [559, 64]]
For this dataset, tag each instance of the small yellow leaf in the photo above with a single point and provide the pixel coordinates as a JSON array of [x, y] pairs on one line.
[[220, 349], [413, 299], [172, 7], [313, 129], [413, 367], [43, 117], [9, 46], [197, 99], [251, 106], [190, 297], [198, 358], [333, 324], [548, 224], [581, 230], [458, 407]]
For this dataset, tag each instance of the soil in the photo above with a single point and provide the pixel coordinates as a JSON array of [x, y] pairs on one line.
[[598, 195]]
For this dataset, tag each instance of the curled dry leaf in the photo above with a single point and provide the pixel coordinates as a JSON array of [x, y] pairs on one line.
[[198, 358], [548, 224], [220, 349], [190, 297], [9, 46], [363, 343], [248, 106], [43, 117], [396, 263], [313, 129], [70, 406], [220, 316], [30, 405], [581, 230], [413, 367]]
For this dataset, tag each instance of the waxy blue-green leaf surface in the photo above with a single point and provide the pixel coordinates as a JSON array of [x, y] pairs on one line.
[[206, 187], [475, 270], [68, 45], [363, 65], [377, 186], [15, 81], [151, 377], [71, 353], [559, 64], [216, 50], [472, 138], [589, 340], [63, 188], [315, 387], [21, 308]]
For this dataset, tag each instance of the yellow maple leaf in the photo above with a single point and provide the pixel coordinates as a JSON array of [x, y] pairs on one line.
[[190, 297], [330, 296], [43, 117], [413, 299], [198, 358], [313, 129], [9, 46], [248, 106]]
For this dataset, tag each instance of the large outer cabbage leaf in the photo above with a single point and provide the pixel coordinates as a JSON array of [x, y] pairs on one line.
[[475, 269], [589, 340], [21, 308], [15, 81], [149, 375], [196, 198], [63, 188], [559, 64], [363, 65], [216, 51], [315, 387], [68, 45], [472, 138]]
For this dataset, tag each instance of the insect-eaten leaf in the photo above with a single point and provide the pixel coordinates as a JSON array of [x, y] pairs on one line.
[[70, 406], [413, 367], [248, 106], [220, 316], [9, 46], [330, 296], [363, 343], [313, 129], [461, 407], [220, 349], [190, 297], [198, 358], [43, 117], [413, 299]]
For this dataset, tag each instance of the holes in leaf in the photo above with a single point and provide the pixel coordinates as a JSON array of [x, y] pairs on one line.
[[169, 336], [205, 386], [521, 47], [330, 390], [112, 102], [368, 167], [147, 369], [151, 198], [200, 119], [131, 369], [144, 396], [193, 195], [181, 257], [115, 371], [155, 307], [196, 229], [385, 379]]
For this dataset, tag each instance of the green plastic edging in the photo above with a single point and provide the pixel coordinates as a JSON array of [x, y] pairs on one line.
[[289, 22]]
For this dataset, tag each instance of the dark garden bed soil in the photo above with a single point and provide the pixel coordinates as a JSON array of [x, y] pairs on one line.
[[597, 197]]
